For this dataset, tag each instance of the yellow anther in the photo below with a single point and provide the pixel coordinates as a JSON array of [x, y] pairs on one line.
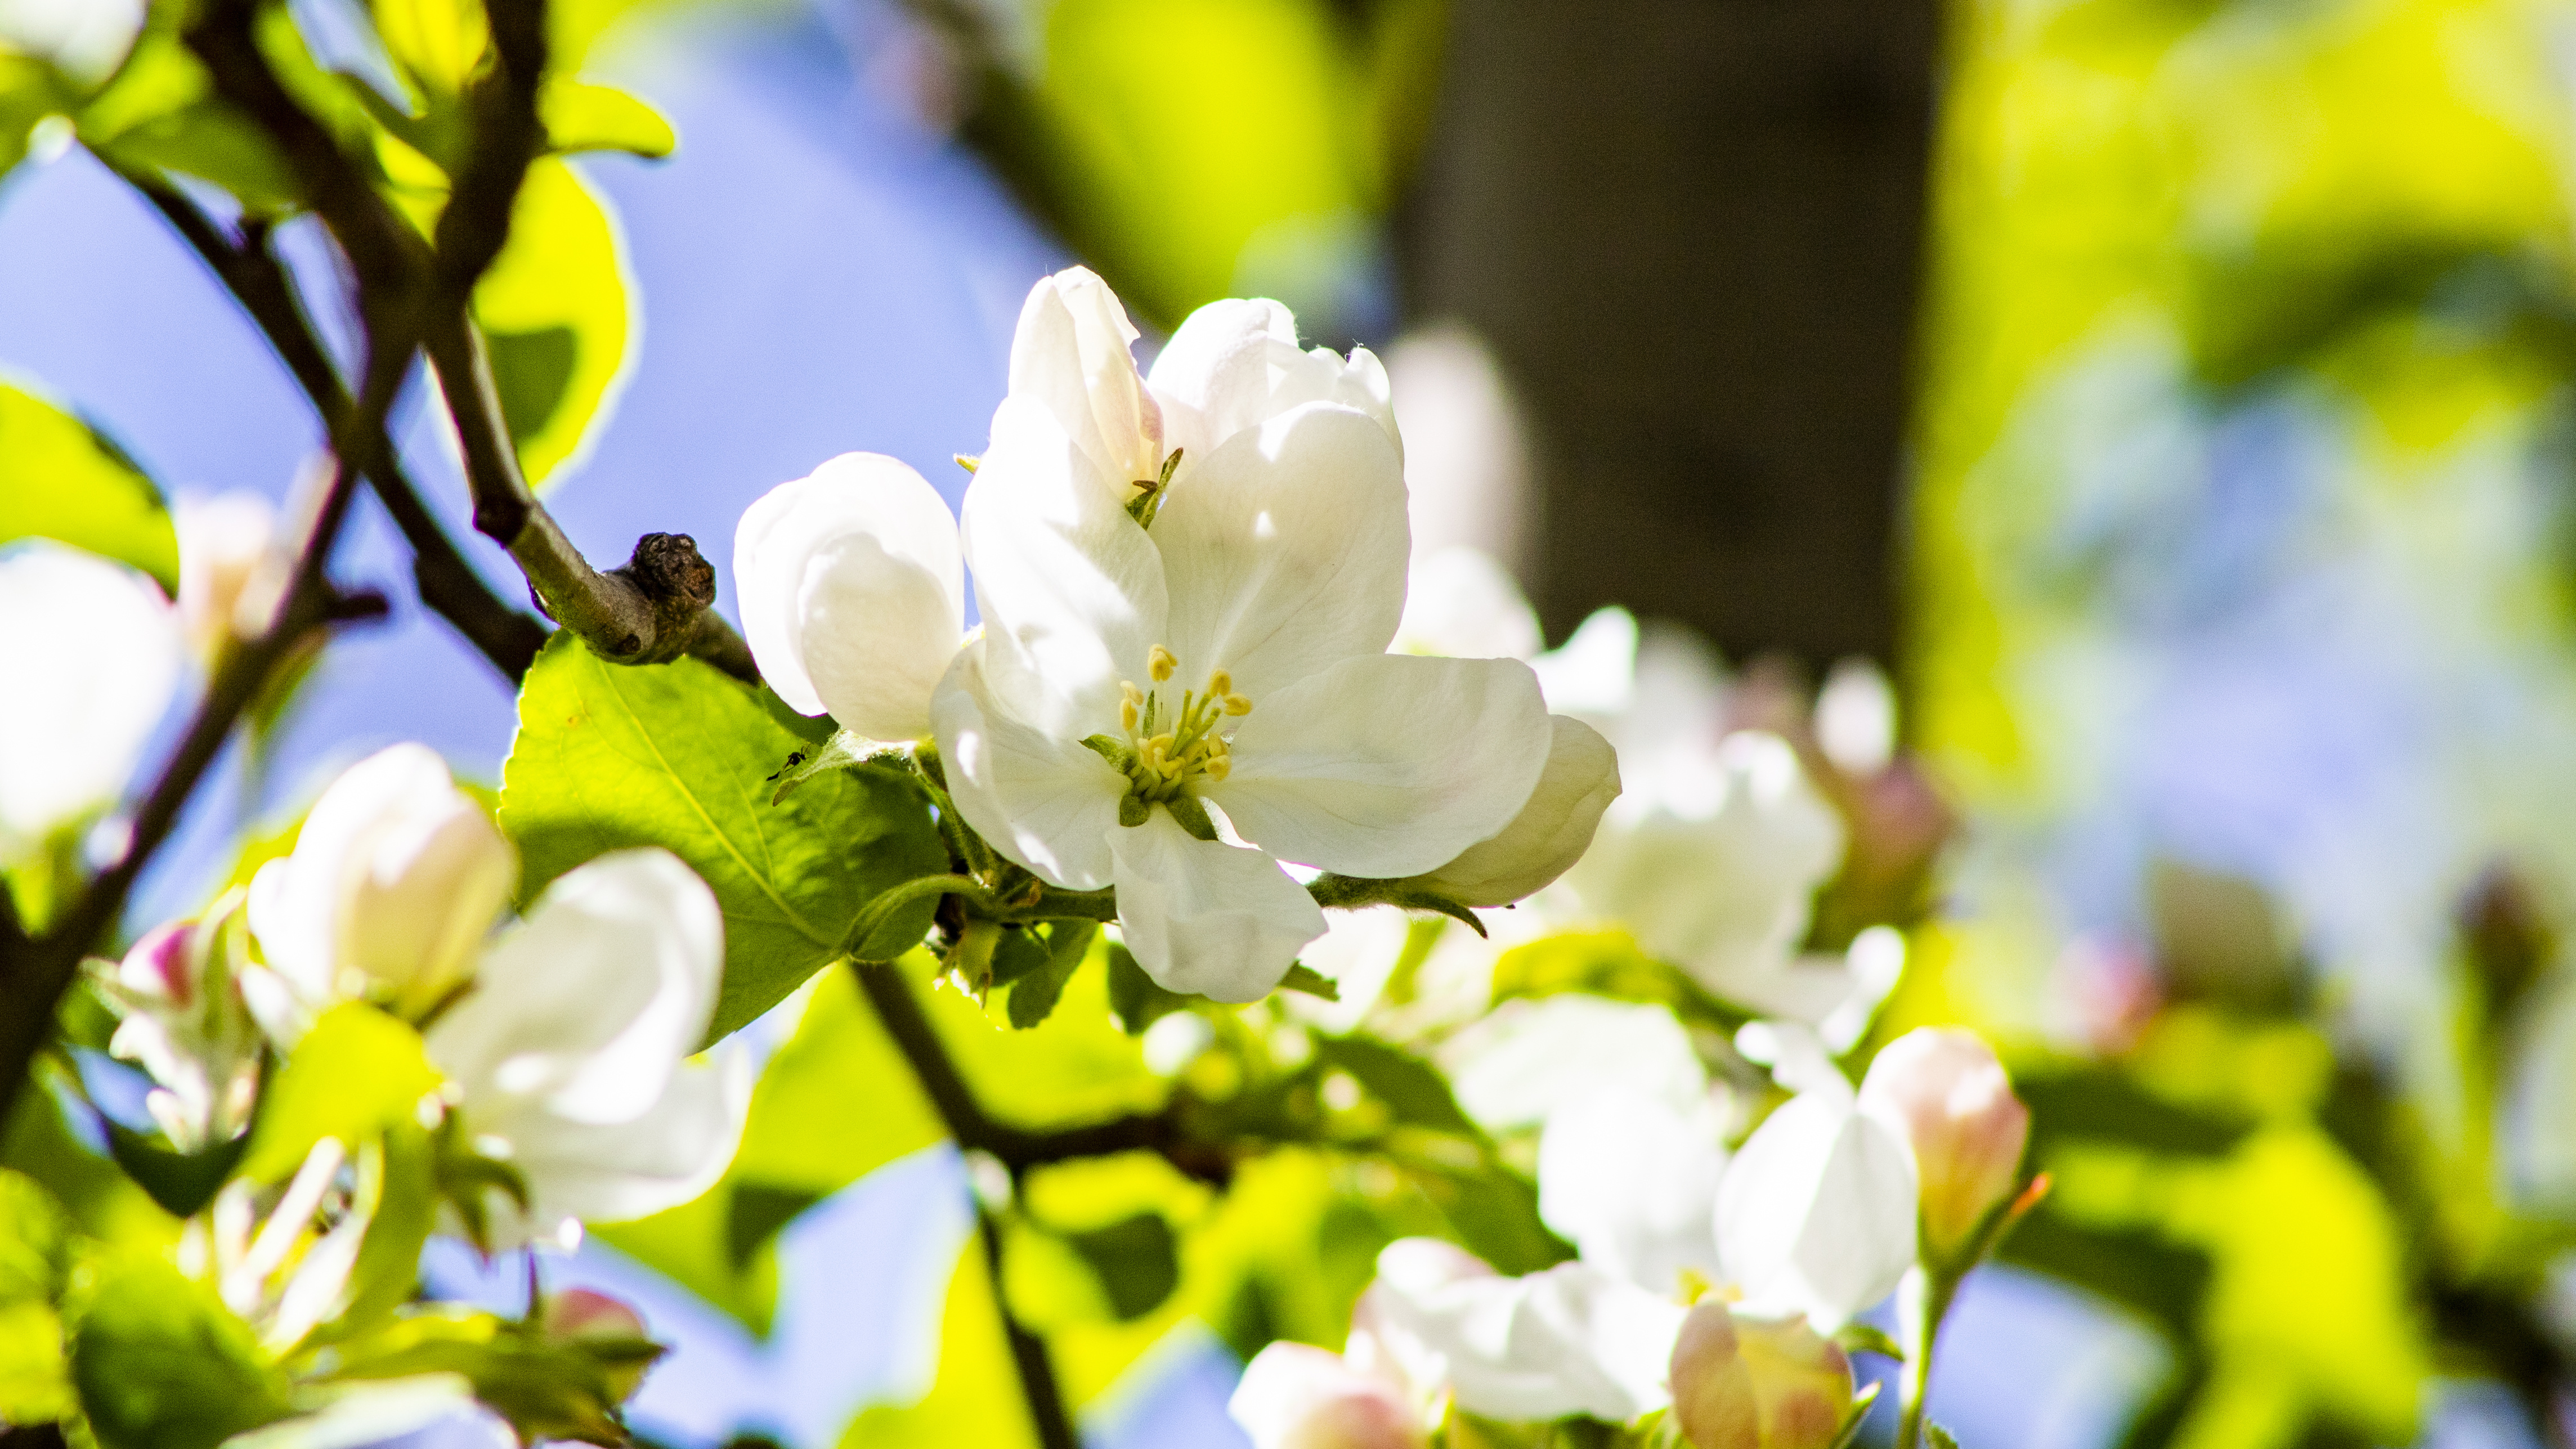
[[1220, 684], [1160, 664], [1128, 691], [1127, 715], [1220, 766], [1237, 704]]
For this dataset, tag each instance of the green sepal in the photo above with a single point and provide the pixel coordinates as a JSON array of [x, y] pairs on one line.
[[1857, 1415], [548, 1388], [1938, 1437], [1859, 1337], [1112, 749], [1191, 814], [1132, 810], [1349, 893], [1305, 978]]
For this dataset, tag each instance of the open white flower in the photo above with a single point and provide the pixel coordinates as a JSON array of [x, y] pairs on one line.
[[853, 594], [1569, 1340], [1632, 1182], [568, 1058], [1130, 688], [393, 885], [76, 726]]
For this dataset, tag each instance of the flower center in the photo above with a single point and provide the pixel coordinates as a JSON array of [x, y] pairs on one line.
[[1171, 746]]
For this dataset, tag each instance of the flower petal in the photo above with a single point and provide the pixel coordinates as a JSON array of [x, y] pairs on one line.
[[673, 1151], [1459, 602], [1070, 356], [1570, 1340], [1387, 765], [1285, 550], [1552, 830], [590, 1003], [1817, 1213], [75, 730], [1042, 799], [1071, 589], [1204, 916], [853, 593], [1632, 1183], [1234, 365]]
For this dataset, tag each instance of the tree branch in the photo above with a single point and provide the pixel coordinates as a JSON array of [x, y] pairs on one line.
[[1047, 1413], [637, 614], [446, 582]]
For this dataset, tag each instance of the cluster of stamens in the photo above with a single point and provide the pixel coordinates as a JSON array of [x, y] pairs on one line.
[[1169, 749]]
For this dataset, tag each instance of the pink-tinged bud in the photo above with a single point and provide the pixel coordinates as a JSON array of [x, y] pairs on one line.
[[579, 1315], [1297, 1396], [1968, 1129], [157, 966], [1746, 1382]]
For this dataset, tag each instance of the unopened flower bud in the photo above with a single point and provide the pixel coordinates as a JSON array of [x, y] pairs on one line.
[[394, 882], [1297, 1396], [853, 593], [1968, 1129], [224, 543], [1551, 832], [1746, 1382], [579, 1315], [183, 1020]]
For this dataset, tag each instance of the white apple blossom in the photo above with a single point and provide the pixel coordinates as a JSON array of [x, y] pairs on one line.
[[391, 890], [86, 38], [568, 1059], [1298, 1396], [1568, 1340], [226, 543], [183, 1020], [1531, 1058], [1131, 688], [853, 593], [1631, 1181], [91, 652]]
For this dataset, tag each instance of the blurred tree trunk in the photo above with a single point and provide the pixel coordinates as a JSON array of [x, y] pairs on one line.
[[1692, 232]]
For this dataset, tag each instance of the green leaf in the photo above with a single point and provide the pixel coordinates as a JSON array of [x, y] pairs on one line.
[[1305, 978], [398, 1188], [678, 755], [35, 1243], [547, 1388], [1410, 1087], [1136, 998], [1938, 1437], [836, 1102], [159, 115], [181, 1182], [35, 1377], [159, 1362], [30, 90], [556, 316], [356, 1074], [1033, 998], [62, 479], [1137, 1260], [843, 751], [1607, 963], [754, 1212], [579, 116]]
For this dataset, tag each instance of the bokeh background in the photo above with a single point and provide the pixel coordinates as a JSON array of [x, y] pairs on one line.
[[2173, 395]]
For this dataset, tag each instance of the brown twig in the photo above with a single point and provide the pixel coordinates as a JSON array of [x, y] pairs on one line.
[[1047, 1412], [446, 582]]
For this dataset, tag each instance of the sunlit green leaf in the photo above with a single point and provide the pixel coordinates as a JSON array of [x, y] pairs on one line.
[[62, 479], [678, 755], [1034, 995], [556, 313], [583, 117], [836, 1102], [1410, 1086], [357, 1073], [159, 1361], [182, 1182], [547, 1388]]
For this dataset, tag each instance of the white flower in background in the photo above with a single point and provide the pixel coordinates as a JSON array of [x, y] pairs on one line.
[[393, 886], [1298, 1396], [86, 38], [1967, 1128], [76, 728], [853, 593], [1817, 1213], [1466, 447], [1531, 1058], [280, 1270], [568, 1059], [1130, 688], [1569, 1340], [1459, 602], [227, 543], [1631, 1182], [1856, 718], [183, 1020], [1742, 1381]]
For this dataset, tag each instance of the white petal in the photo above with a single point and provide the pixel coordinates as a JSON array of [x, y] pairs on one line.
[[384, 1411], [1387, 765], [1632, 1183], [1460, 603], [853, 593], [1235, 364], [1284, 550], [1817, 1213], [589, 1004], [677, 1149], [76, 726], [1570, 1340], [1551, 832], [1529, 1058], [1071, 589], [1594, 673], [1298, 1396], [1070, 356], [1713, 859], [1041, 798], [396, 876], [1204, 916]]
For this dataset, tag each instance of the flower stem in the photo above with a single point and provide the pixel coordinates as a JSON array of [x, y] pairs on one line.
[[1940, 1287]]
